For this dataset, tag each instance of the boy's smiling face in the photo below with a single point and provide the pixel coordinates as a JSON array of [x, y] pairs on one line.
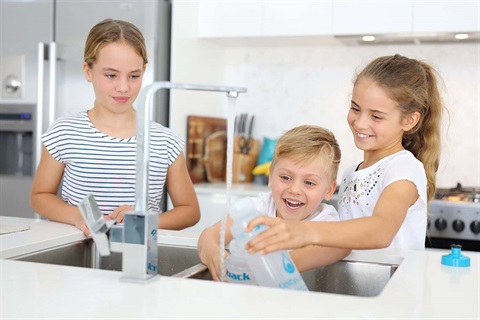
[[299, 188]]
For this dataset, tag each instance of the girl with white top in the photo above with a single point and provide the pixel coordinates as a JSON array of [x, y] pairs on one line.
[[394, 117], [94, 151]]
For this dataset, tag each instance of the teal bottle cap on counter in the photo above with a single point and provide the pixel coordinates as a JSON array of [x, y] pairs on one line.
[[455, 258]]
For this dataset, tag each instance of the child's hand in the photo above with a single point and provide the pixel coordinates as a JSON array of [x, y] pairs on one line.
[[119, 213], [80, 224], [210, 256], [84, 229], [280, 235], [213, 264]]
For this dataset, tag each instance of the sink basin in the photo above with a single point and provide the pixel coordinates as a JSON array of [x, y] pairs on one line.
[[171, 259], [349, 277], [356, 278]]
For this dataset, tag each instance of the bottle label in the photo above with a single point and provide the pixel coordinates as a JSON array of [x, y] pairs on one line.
[[288, 264], [243, 276]]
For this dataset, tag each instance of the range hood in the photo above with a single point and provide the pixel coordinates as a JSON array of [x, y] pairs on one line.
[[409, 38]]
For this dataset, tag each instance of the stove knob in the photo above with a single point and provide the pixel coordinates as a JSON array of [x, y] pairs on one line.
[[440, 224], [475, 227], [458, 225]]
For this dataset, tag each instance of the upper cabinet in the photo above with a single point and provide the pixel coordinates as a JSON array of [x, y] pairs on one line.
[[270, 18], [299, 18], [233, 18], [229, 18], [446, 16], [371, 17]]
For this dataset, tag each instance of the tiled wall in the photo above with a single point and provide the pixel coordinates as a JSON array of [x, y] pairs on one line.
[[292, 85]]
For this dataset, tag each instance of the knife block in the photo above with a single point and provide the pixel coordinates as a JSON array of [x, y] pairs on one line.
[[243, 163]]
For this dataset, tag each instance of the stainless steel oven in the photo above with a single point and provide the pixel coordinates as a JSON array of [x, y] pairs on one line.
[[455, 219]]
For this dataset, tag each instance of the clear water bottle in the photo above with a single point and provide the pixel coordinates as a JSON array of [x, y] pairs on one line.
[[275, 269], [238, 270]]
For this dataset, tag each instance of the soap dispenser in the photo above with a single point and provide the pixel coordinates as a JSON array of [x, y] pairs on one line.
[[455, 258]]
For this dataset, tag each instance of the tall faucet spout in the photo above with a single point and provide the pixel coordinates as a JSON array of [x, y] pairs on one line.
[[143, 106], [137, 237]]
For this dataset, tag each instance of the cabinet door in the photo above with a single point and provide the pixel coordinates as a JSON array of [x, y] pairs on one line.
[[297, 18], [229, 18], [371, 17], [446, 16]]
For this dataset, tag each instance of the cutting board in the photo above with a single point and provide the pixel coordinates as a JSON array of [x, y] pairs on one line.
[[198, 130], [215, 154]]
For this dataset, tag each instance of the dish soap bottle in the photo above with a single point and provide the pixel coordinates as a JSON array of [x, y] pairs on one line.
[[237, 267], [275, 269]]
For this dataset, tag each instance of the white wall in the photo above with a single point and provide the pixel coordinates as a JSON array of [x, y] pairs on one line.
[[193, 61], [293, 82]]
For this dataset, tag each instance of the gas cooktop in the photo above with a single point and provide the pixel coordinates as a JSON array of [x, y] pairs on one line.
[[459, 194]]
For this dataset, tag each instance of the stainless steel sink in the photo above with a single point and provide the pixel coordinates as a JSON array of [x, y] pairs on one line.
[[354, 278], [349, 277], [171, 259]]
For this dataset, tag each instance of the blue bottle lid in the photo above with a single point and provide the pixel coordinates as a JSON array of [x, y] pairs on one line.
[[455, 258]]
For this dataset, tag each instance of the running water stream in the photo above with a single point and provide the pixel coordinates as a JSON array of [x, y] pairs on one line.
[[230, 139]]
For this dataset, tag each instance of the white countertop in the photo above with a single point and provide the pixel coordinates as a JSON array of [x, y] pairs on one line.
[[420, 288]]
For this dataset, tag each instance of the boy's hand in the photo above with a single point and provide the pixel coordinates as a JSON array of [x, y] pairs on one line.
[[213, 265], [280, 235]]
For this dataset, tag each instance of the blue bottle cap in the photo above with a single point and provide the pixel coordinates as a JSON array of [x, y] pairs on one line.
[[455, 258]]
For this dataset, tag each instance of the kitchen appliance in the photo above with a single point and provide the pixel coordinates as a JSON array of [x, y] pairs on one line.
[[455, 219], [41, 77]]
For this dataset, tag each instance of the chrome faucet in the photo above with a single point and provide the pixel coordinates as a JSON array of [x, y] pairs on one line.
[[136, 237]]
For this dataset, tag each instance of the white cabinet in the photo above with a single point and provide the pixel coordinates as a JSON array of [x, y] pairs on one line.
[[271, 18], [233, 18], [229, 18], [446, 16], [297, 18], [371, 17]]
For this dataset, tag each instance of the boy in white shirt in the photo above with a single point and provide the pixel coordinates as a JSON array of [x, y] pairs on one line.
[[302, 174]]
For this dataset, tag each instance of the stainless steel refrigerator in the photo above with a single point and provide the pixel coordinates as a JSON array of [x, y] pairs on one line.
[[41, 77]]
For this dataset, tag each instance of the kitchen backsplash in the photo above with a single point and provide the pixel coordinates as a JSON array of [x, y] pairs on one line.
[[299, 80], [288, 86]]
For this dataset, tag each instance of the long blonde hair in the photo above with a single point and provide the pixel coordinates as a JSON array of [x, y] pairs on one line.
[[413, 84]]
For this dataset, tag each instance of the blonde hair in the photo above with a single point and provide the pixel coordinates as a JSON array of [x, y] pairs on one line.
[[110, 31], [307, 142], [413, 84]]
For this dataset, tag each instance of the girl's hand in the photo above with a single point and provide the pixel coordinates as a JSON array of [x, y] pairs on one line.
[[119, 213], [80, 223], [82, 226], [280, 235]]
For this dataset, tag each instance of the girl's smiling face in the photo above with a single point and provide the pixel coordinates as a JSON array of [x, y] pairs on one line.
[[375, 119], [116, 76], [298, 189]]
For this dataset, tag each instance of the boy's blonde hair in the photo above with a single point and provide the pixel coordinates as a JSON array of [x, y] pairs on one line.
[[304, 143]]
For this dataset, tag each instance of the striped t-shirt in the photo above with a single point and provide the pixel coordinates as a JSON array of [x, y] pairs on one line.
[[105, 166]]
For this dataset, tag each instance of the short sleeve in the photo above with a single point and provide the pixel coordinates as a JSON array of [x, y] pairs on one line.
[[407, 167], [52, 139], [164, 138]]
